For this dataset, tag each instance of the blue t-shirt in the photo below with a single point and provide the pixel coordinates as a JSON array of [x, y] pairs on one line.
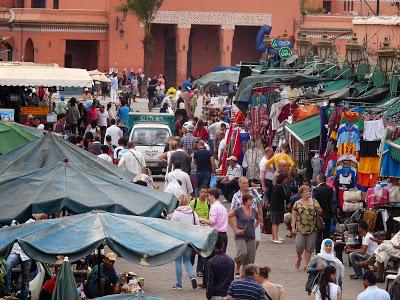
[[123, 114], [203, 162], [246, 289], [186, 85]]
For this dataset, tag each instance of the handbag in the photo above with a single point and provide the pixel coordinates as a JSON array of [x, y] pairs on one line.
[[319, 221], [352, 195], [312, 280], [241, 231]]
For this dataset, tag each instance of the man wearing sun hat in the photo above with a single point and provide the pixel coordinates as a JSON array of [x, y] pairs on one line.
[[229, 184], [108, 278]]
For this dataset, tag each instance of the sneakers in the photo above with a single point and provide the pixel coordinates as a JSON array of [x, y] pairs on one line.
[[194, 283], [277, 242], [177, 287]]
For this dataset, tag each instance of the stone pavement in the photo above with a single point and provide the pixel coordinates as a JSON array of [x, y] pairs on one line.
[[280, 258]]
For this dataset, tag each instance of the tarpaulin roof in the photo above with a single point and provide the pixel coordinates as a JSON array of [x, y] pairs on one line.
[[13, 137], [77, 189], [25, 75], [145, 241], [248, 83], [220, 77], [51, 149], [306, 129]]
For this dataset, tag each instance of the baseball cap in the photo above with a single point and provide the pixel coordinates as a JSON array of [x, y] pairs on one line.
[[111, 256], [232, 158], [189, 126]]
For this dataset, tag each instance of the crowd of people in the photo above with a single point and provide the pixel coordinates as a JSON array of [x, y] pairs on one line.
[[194, 159]]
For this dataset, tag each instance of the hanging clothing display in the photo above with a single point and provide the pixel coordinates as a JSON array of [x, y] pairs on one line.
[[377, 196], [305, 111], [373, 130], [257, 123], [251, 164], [316, 164], [286, 111]]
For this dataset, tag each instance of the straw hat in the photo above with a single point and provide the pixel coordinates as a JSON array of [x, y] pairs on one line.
[[111, 256]]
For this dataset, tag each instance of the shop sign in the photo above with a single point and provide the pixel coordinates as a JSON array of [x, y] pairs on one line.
[[278, 43], [285, 52]]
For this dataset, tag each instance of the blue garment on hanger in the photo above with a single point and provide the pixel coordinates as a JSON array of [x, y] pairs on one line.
[[389, 166]]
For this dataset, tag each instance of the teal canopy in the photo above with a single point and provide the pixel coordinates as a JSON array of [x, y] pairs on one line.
[[305, 130], [243, 94], [65, 288], [78, 190], [220, 77], [52, 149], [141, 240]]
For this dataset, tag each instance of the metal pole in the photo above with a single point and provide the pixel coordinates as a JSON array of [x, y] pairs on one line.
[[377, 7], [98, 267]]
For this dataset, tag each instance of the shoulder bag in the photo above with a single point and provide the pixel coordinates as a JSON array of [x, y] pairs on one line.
[[319, 221]]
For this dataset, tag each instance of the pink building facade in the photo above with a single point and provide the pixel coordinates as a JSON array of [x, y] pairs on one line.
[[340, 19], [191, 37]]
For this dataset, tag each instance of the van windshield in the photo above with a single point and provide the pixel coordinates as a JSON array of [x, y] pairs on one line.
[[150, 136]]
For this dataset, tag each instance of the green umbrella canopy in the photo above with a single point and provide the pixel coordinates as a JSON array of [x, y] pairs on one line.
[[52, 149], [141, 240], [77, 189], [13, 137], [65, 288], [220, 77]]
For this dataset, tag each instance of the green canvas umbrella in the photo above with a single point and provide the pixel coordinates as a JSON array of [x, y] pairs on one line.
[[13, 137], [65, 288]]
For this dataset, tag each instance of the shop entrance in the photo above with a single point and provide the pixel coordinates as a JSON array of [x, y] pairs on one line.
[[81, 54]]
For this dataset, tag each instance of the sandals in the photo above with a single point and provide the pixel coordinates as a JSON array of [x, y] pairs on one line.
[[297, 264]]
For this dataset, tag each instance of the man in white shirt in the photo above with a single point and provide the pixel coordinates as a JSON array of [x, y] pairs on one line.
[[17, 256], [372, 292], [104, 153], [132, 160], [183, 178], [114, 88], [266, 174], [367, 249], [115, 132], [102, 120]]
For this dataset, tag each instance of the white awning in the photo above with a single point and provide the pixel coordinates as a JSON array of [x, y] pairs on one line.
[[376, 20], [47, 76]]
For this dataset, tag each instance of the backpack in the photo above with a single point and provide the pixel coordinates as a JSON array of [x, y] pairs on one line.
[[195, 204]]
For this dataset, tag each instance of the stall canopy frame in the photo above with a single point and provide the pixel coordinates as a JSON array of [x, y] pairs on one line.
[[305, 130]]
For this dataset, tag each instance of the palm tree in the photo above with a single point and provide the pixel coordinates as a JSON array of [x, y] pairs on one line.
[[145, 11]]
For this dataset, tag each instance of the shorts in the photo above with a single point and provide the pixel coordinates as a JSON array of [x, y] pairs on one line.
[[277, 217], [258, 233], [306, 242], [246, 251]]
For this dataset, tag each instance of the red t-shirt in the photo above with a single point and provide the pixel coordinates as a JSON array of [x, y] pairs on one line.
[[49, 285], [202, 133]]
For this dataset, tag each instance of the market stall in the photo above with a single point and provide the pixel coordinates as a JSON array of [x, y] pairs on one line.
[[23, 87]]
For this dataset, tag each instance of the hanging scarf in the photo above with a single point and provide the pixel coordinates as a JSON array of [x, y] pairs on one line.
[[225, 153]]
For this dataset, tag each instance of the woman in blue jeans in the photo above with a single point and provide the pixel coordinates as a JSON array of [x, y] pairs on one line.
[[184, 214]]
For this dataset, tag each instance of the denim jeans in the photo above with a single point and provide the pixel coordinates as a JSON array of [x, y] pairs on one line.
[[185, 258], [200, 262], [12, 260], [354, 259], [202, 179]]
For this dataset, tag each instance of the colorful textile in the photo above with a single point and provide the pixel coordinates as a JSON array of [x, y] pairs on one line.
[[349, 137], [286, 111], [389, 166], [305, 111], [368, 165], [367, 180], [374, 200], [347, 148], [334, 119], [350, 117]]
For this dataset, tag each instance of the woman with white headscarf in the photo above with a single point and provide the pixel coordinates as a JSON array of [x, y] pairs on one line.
[[327, 258]]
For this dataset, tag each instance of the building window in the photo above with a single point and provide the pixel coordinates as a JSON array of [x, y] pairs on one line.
[[327, 6], [345, 5], [38, 4], [352, 5], [56, 4]]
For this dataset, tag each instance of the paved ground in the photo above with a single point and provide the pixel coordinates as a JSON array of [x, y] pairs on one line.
[[280, 258]]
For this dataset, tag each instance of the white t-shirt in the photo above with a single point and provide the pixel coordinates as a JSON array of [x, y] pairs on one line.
[[214, 128], [132, 161], [116, 133], [366, 241], [334, 291], [105, 157], [102, 118], [263, 169], [184, 179]]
